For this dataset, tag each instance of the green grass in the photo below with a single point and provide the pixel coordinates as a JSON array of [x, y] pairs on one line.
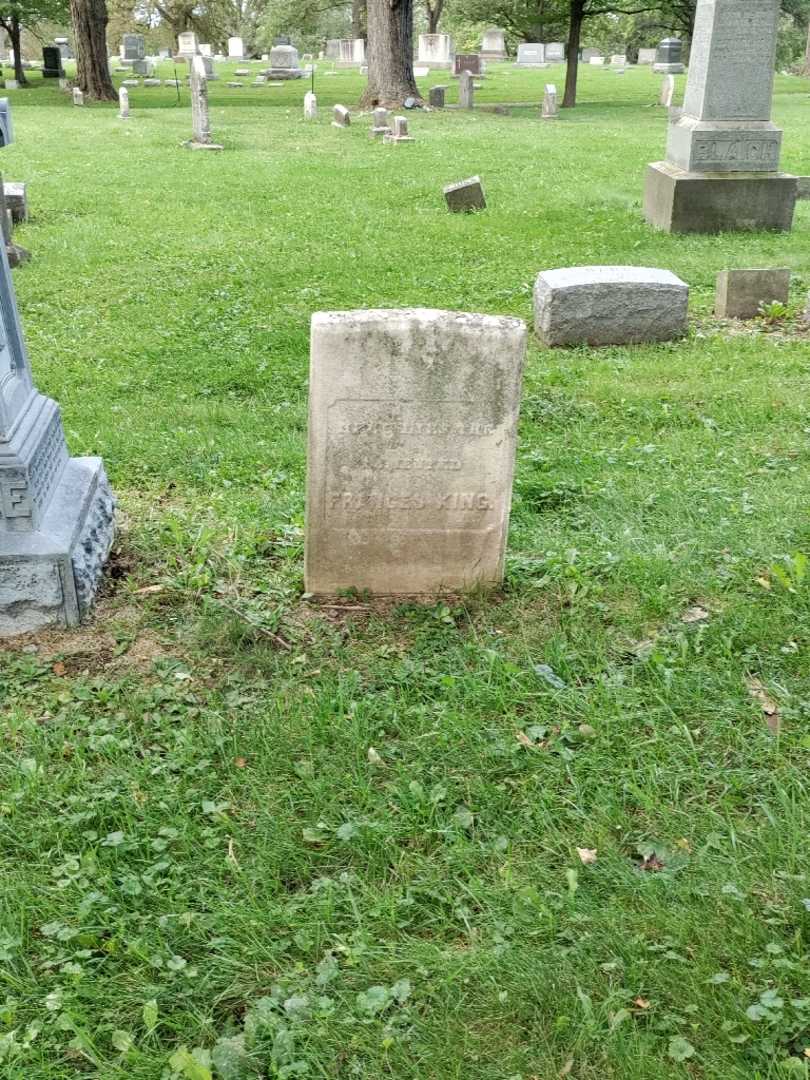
[[196, 837]]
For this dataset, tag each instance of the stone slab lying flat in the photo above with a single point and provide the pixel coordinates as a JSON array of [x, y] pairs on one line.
[[740, 293], [412, 426], [609, 305]]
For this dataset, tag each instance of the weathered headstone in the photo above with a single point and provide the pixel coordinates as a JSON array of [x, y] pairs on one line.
[[609, 305], [63, 45], [236, 48], [187, 45], [597, 61], [200, 122], [465, 195], [341, 118], [133, 47], [466, 90], [310, 106], [590, 54], [667, 91], [12, 84], [740, 294], [123, 103], [205, 49], [208, 67], [16, 194], [467, 62], [56, 512], [6, 125], [284, 63], [399, 133], [435, 50], [555, 52], [78, 96], [721, 171], [550, 102], [52, 63], [647, 56], [333, 48], [531, 54], [668, 55], [358, 51], [436, 97], [143, 67], [412, 427], [380, 125], [493, 44], [803, 187], [618, 60]]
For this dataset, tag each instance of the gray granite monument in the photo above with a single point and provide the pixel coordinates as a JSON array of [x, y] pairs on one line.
[[284, 63], [722, 166], [56, 512], [668, 57], [493, 44], [201, 125]]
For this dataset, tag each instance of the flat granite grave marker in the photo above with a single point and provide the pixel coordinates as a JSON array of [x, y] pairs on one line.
[[739, 294], [609, 305], [721, 169], [56, 512], [465, 195], [412, 426], [531, 54], [467, 62]]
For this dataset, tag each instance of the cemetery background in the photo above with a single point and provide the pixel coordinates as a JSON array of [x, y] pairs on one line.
[[378, 809]]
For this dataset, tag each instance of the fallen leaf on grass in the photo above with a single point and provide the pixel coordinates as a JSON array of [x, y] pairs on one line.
[[373, 757], [567, 1067], [641, 1003], [59, 668], [149, 590], [764, 582], [651, 862], [524, 739], [586, 855], [769, 707], [695, 614], [240, 762]]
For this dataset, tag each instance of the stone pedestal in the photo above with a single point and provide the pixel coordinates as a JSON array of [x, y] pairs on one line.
[[688, 202], [56, 512], [493, 44], [435, 51], [284, 63]]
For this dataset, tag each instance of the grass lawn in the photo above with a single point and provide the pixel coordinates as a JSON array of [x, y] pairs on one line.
[[343, 843]]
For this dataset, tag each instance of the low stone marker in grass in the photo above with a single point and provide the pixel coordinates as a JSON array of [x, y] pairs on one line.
[[16, 194], [201, 126], [380, 125], [412, 426], [78, 96], [803, 187], [399, 133], [123, 103], [609, 305], [341, 117], [310, 106], [465, 195], [56, 512], [667, 91], [436, 97], [740, 294], [549, 111], [466, 90]]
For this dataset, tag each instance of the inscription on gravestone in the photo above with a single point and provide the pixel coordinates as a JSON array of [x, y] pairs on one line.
[[412, 430]]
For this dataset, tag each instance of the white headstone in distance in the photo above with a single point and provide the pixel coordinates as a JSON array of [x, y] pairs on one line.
[[341, 117], [78, 96], [236, 48], [435, 50], [359, 51], [531, 54], [667, 91], [310, 106], [123, 103], [555, 52], [187, 45], [550, 102], [493, 44]]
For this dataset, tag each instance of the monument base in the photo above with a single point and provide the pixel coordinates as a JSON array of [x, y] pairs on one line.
[[435, 65], [193, 145], [50, 577], [285, 73], [688, 202], [490, 54], [668, 69]]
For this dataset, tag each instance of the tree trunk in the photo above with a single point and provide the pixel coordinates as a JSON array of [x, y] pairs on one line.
[[390, 54], [358, 19], [434, 13], [577, 13], [15, 33], [90, 19]]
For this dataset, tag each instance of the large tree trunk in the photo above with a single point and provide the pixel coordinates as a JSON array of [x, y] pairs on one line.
[[577, 13], [358, 19], [90, 19], [390, 54], [15, 33], [434, 10]]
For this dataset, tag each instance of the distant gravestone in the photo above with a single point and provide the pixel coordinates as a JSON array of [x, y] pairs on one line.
[[63, 45], [721, 169], [618, 60], [358, 51], [803, 187], [380, 125], [493, 44], [132, 47], [333, 49], [412, 428], [284, 63], [187, 45], [142, 67], [550, 102], [236, 48], [123, 103], [208, 67], [399, 132], [609, 305], [531, 54], [667, 91], [56, 512], [436, 97], [669, 54], [78, 96], [341, 118], [200, 122], [435, 50], [555, 52], [52, 62], [467, 62], [420, 70], [597, 61], [205, 49], [647, 56], [310, 106], [590, 54], [740, 294], [466, 90], [465, 196]]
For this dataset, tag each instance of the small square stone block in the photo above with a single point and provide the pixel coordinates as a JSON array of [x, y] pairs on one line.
[[466, 195], [436, 97], [740, 293], [803, 187]]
